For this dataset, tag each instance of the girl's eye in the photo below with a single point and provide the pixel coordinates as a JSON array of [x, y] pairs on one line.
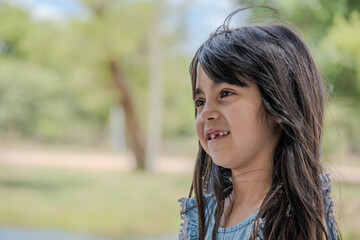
[[198, 103], [225, 94]]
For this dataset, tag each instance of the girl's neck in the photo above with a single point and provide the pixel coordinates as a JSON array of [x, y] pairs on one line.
[[251, 186], [249, 190]]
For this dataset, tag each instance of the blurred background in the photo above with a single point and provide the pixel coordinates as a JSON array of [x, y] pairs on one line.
[[97, 135]]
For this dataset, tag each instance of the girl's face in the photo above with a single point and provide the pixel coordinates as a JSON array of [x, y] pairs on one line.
[[230, 125]]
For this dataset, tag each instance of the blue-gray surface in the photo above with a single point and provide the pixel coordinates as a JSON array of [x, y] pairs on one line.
[[34, 234]]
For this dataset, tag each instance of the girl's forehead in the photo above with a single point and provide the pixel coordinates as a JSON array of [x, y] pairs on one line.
[[203, 80], [200, 73]]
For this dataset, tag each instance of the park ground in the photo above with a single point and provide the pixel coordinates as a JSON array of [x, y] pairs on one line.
[[98, 192]]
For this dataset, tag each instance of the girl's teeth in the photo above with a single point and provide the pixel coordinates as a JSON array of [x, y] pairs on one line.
[[212, 136]]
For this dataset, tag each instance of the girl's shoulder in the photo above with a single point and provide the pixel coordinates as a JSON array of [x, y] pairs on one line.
[[189, 225], [189, 212], [328, 206], [189, 215]]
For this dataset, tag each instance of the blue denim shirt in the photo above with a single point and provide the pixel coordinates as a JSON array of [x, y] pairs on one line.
[[189, 230]]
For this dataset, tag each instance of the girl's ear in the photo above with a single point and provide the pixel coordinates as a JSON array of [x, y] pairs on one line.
[[276, 124], [278, 120]]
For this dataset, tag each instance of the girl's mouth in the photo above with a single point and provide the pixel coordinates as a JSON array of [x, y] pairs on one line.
[[217, 136]]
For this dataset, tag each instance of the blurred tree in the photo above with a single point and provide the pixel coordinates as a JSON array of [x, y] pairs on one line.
[[116, 32], [110, 44], [341, 60], [42, 89], [314, 17], [12, 30], [59, 79]]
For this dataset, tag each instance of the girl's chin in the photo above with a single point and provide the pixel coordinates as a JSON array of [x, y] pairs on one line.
[[221, 162]]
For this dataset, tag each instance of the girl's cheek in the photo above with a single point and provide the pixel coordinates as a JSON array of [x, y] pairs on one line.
[[199, 128]]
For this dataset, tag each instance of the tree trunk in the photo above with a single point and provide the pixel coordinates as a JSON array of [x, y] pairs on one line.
[[134, 131]]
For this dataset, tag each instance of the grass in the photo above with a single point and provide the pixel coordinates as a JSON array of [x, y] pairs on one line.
[[106, 203], [116, 203], [347, 209]]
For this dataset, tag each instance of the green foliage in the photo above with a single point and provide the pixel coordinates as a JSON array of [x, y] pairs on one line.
[[341, 56], [16, 25], [68, 64], [341, 61], [179, 115], [55, 84], [313, 17], [36, 102], [21, 98]]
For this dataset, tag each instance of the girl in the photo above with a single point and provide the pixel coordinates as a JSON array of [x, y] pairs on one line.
[[259, 104]]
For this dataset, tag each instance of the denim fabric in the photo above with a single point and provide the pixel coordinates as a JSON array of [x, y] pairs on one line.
[[189, 226]]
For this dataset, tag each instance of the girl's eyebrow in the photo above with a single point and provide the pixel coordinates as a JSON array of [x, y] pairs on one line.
[[198, 91], [213, 86]]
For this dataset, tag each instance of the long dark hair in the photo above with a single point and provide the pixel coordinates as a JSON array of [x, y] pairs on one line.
[[293, 93]]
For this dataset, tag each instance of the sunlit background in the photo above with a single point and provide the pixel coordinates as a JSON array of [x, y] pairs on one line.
[[97, 133]]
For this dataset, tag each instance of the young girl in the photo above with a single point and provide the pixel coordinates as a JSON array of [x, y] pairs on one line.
[[259, 105]]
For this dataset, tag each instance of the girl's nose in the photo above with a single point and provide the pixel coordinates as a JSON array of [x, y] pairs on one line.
[[208, 114]]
